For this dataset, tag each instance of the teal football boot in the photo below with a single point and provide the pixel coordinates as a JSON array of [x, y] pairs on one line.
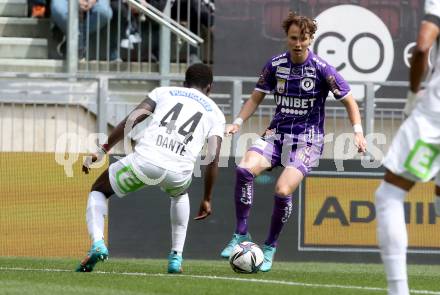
[[269, 253], [236, 239], [98, 252], [175, 262]]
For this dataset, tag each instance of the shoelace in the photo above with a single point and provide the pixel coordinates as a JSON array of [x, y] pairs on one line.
[[232, 242], [267, 256]]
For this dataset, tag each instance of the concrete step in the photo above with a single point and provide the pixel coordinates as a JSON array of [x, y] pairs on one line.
[[13, 8], [126, 67], [31, 65], [24, 27], [23, 47], [28, 65]]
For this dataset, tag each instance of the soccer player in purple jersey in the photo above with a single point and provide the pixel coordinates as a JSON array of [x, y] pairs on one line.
[[300, 82]]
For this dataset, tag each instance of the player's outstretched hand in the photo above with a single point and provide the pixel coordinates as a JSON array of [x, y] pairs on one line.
[[231, 129], [88, 161], [204, 210], [94, 158], [360, 142]]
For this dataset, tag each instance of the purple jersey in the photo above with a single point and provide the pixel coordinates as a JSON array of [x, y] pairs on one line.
[[300, 91]]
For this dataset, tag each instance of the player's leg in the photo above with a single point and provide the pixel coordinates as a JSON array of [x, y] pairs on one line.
[[390, 195], [179, 217], [299, 155], [252, 164], [118, 179], [286, 184], [437, 195], [391, 230], [411, 157], [176, 185], [97, 209]]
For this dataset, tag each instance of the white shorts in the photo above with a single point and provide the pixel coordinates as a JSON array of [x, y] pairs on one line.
[[132, 173], [415, 151]]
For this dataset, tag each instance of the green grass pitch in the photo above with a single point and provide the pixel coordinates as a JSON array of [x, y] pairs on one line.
[[141, 276]]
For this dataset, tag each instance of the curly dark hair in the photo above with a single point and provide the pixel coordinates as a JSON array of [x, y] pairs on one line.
[[306, 25], [199, 75]]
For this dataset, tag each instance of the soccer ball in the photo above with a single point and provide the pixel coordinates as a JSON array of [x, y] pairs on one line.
[[246, 257]]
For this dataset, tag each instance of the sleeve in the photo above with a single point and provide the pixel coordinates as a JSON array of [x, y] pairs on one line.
[[218, 125], [154, 94], [432, 11], [336, 83], [267, 81]]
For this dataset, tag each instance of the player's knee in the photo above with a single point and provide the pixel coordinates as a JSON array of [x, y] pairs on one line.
[[391, 241], [283, 190], [391, 232], [98, 186]]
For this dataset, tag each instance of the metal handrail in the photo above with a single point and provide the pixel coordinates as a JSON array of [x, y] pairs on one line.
[[231, 100], [161, 18]]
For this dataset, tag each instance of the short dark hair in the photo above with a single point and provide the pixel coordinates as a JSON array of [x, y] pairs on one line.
[[306, 24], [199, 75]]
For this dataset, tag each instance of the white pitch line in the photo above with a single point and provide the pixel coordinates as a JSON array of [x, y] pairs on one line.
[[261, 281]]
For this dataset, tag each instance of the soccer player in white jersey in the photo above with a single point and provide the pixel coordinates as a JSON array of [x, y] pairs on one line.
[[414, 153], [182, 120]]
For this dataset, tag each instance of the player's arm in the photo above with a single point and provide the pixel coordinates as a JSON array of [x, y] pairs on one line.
[[210, 175], [140, 113], [355, 118], [246, 111], [428, 33]]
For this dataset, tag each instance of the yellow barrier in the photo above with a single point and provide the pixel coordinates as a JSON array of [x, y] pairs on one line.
[[42, 212], [339, 212]]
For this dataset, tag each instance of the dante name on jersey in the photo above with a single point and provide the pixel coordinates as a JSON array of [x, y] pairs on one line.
[[170, 144]]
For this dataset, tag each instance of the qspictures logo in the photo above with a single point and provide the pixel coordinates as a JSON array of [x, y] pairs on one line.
[[356, 42]]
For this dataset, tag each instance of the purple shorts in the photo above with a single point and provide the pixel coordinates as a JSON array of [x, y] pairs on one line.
[[289, 151]]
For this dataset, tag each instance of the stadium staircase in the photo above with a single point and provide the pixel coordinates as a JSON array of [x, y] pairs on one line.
[[27, 45], [24, 41]]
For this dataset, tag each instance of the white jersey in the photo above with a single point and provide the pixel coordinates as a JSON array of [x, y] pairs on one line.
[[430, 97], [179, 126], [415, 151]]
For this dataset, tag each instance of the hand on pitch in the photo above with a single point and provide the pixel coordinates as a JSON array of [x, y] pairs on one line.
[[360, 142], [204, 210], [231, 129]]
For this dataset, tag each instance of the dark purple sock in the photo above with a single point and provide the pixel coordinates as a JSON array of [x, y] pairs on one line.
[[244, 194], [282, 208]]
